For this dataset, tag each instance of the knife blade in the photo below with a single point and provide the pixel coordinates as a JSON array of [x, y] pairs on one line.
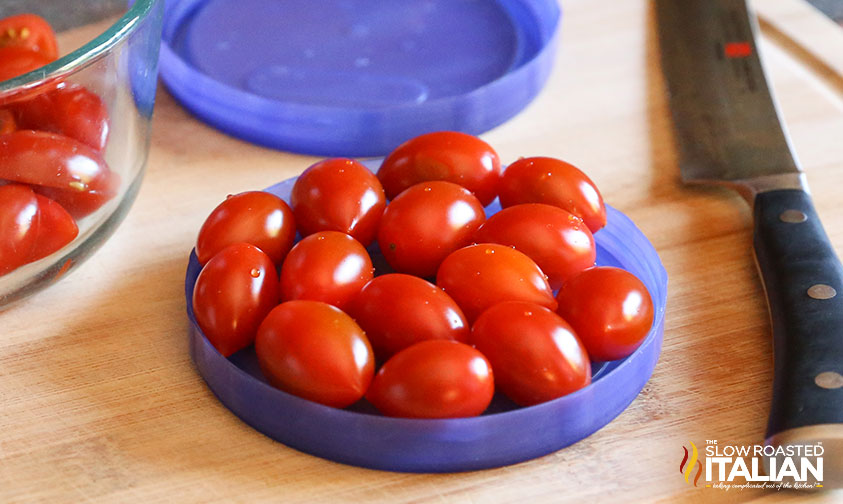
[[729, 131]]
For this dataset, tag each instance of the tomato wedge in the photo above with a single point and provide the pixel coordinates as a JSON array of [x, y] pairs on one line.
[[61, 168], [15, 61], [56, 228], [70, 110], [31, 32], [18, 225]]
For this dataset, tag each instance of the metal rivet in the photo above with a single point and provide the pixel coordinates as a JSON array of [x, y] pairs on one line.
[[821, 291], [793, 216], [829, 380]]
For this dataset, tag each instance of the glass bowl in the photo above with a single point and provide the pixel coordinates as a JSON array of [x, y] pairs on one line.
[[119, 66], [505, 434]]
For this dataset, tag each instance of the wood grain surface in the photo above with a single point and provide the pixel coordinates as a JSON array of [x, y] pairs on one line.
[[99, 401]]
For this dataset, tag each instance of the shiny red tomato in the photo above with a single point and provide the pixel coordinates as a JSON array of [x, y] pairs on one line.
[[482, 275], [535, 355], [398, 310], [554, 182], [444, 155], [70, 110], [7, 122], [433, 379], [338, 195], [609, 308], [255, 217], [56, 228], [559, 242], [31, 32], [18, 226], [233, 293], [60, 168], [315, 351], [427, 222], [15, 61], [327, 266]]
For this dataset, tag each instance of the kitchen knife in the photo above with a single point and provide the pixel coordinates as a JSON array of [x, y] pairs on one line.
[[729, 132]]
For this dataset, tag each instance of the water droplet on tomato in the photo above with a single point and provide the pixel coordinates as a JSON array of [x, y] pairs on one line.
[[255, 272]]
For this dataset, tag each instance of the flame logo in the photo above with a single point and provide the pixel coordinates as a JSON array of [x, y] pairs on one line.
[[691, 463]]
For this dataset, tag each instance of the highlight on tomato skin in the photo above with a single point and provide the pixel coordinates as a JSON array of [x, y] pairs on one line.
[[315, 351], [18, 226], [434, 379], [609, 308], [535, 354]]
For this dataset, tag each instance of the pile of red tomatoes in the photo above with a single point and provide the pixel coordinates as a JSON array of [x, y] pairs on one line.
[[52, 138], [463, 303]]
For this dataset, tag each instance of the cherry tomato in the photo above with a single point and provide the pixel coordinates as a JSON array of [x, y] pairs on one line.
[[328, 266], [554, 182], [56, 228], [315, 351], [557, 240], [425, 223], [609, 308], [63, 169], [233, 294], [444, 155], [69, 110], [31, 32], [398, 310], [18, 226], [433, 379], [255, 217], [479, 276], [15, 61], [535, 355], [7, 122], [338, 195]]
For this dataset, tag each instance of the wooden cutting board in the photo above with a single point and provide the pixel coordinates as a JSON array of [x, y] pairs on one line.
[[99, 400]]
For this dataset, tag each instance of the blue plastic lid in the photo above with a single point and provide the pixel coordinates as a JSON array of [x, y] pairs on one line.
[[504, 434], [354, 77]]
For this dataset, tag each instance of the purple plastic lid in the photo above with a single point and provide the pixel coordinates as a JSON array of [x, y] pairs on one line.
[[504, 435], [355, 77]]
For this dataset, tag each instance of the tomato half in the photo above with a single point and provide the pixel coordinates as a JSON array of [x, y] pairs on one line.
[[56, 228], [338, 195], [30, 32], [70, 110], [315, 351], [425, 223], [327, 266], [535, 354], [233, 294], [255, 217], [609, 308], [482, 275], [433, 379], [60, 168], [554, 182], [18, 226], [15, 61], [398, 310], [444, 155], [559, 242]]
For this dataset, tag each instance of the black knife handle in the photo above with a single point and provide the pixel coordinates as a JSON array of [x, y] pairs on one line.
[[803, 279]]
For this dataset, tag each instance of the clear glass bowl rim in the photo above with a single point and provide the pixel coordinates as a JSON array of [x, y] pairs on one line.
[[89, 52]]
